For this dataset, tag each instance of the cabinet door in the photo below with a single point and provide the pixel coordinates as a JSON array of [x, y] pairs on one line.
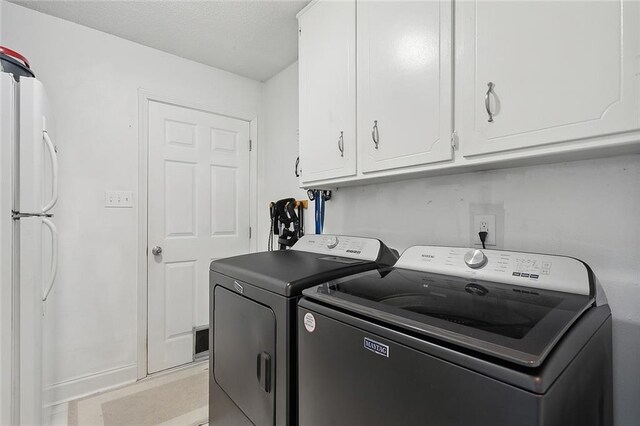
[[404, 83], [327, 90], [559, 70]]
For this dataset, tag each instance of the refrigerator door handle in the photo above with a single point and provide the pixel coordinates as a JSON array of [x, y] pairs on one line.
[[54, 172], [54, 257]]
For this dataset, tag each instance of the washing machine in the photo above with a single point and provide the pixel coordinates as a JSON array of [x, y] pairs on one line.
[[253, 361], [452, 336]]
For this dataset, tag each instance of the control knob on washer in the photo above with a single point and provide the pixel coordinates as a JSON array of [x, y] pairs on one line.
[[475, 259], [332, 242]]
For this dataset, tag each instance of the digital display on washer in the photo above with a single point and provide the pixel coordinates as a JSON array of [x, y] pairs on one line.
[[517, 323]]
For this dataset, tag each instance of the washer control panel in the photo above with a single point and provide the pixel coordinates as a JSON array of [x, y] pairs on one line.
[[544, 271], [367, 249]]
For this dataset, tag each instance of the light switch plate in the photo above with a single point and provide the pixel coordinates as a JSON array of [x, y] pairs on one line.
[[118, 199]]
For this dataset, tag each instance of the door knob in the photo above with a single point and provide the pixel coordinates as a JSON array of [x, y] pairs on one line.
[[157, 250]]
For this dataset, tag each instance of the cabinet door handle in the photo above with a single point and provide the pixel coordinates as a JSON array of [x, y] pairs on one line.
[[487, 103], [341, 144], [374, 134], [297, 164]]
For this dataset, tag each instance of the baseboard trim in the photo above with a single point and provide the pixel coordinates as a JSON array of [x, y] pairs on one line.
[[79, 387], [53, 413]]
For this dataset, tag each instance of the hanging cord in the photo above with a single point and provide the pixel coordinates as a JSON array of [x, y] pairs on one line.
[[270, 241], [301, 219], [483, 238], [273, 227], [313, 196], [324, 196]]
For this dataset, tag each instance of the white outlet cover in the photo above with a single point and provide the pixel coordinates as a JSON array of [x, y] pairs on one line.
[[490, 220]]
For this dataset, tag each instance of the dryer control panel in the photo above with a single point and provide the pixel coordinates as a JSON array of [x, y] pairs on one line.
[[550, 272], [366, 249]]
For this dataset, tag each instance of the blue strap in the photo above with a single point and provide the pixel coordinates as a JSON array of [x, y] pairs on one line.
[[317, 208], [321, 213]]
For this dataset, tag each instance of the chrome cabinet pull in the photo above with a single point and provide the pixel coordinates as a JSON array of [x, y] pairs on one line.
[[487, 103], [341, 144], [374, 134]]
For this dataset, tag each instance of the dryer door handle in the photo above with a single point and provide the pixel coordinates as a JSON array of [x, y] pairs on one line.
[[263, 371]]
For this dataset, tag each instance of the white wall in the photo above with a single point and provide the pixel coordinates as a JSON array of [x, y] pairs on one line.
[[586, 209], [92, 79], [279, 140]]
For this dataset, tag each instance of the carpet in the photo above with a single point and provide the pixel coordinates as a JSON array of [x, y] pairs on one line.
[[176, 398]]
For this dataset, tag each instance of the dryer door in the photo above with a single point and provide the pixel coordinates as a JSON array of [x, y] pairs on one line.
[[244, 354]]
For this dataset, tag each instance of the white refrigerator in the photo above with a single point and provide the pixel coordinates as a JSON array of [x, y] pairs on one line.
[[28, 244]]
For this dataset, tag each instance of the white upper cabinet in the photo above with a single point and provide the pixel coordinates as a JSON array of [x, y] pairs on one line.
[[517, 82], [327, 60], [558, 71], [404, 71]]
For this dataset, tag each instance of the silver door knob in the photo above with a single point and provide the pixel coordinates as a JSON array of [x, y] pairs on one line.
[[156, 250]]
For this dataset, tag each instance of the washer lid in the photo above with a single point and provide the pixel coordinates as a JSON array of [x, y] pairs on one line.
[[515, 323]]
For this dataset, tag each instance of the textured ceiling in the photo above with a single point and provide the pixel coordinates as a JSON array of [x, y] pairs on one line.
[[256, 39]]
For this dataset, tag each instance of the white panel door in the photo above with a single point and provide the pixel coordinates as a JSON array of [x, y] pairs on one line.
[[327, 54], [198, 210], [404, 83], [560, 71]]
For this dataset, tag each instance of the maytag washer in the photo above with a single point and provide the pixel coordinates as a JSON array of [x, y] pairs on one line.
[[453, 336], [253, 368]]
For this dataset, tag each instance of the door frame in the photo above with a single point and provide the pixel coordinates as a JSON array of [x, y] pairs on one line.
[[144, 97]]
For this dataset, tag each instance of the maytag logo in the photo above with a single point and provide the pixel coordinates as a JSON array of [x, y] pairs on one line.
[[376, 347], [238, 287]]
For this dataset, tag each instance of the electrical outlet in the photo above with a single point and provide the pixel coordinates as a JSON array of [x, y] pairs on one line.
[[487, 223], [121, 199]]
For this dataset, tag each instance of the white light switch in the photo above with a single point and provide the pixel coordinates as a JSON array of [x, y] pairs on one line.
[[121, 199]]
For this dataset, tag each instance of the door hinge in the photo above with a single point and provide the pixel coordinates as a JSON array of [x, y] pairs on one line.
[[454, 141], [250, 145], [249, 232]]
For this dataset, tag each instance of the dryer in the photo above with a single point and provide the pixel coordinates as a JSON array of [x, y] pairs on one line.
[[253, 361], [452, 336]]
